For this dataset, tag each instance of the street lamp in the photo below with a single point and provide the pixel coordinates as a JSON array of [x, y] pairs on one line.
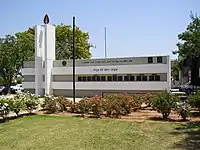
[[74, 73]]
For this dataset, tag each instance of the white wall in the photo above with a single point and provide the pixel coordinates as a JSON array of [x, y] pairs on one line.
[[123, 69], [112, 85]]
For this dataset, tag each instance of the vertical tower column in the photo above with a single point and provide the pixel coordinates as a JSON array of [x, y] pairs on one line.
[[169, 74], [49, 56], [39, 58]]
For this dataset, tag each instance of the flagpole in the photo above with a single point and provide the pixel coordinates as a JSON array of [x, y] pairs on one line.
[[105, 42]]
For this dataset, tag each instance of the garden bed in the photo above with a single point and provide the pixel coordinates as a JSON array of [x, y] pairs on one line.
[[140, 115]]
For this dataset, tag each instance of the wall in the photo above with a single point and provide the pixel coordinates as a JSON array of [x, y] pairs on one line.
[[89, 93], [111, 61]]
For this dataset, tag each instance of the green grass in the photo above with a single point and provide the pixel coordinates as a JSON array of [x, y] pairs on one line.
[[63, 133]]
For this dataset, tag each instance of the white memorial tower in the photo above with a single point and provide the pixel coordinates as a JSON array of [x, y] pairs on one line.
[[44, 56]]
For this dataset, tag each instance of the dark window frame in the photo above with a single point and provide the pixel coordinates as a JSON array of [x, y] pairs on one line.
[[150, 60], [109, 78], [126, 78], [80, 78], [157, 78], [89, 78], [84, 78], [159, 59], [138, 78], [119, 78], [103, 78], [144, 78], [131, 78], [152, 78]]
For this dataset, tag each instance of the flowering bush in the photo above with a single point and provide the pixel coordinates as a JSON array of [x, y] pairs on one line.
[[4, 108], [16, 105], [120, 104], [54, 104], [164, 102], [82, 106], [95, 105], [113, 106], [30, 100]]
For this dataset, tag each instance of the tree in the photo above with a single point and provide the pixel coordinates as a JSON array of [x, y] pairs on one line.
[[189, 47], [14, 49], [64, 36], [175, 70], [10, 58], [64, 39]]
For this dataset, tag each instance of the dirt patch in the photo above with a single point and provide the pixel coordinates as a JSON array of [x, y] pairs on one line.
[[138, 116]]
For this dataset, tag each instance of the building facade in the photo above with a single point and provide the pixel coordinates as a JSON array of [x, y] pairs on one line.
[[93, 77], [102, 76]]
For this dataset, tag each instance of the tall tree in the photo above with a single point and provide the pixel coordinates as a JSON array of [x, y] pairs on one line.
[[189, 47], [64, 36], [14, 49]]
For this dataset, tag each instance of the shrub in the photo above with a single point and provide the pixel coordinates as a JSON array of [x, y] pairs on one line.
[[182, 109], [31, 101], [4, 108], [82, 106], [95, 105], [117, 105], [164, 102], [194, 100], [112, 106], [50, 104], [54, 104], [63, 103], [16, 105]]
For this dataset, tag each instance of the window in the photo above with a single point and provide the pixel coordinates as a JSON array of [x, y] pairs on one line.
[[93, 78], [79, 78], [89, 78], [151, 78], [109, 78], [144, 78], [126, 78], [150, 60], [98, 78], [114, 78], [157, 78], [138, 78], [84, 78], [119, 78], [132, 78], [159, 59], [103, 78]]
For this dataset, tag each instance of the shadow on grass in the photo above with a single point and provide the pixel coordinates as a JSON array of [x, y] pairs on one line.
[[168, 119], [191, 132], [15, 117]]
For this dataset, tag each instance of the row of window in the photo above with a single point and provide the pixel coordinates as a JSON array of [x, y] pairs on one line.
[[120, 78], [150, 59]]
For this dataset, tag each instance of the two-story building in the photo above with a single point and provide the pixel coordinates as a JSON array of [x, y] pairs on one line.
[[101, 76], [46, 75]]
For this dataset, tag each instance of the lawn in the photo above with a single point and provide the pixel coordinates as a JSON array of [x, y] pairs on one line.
[[58, 132]]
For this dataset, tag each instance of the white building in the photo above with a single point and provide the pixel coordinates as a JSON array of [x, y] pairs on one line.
[[93, 77]]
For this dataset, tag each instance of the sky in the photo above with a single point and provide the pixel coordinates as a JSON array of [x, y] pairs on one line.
[[134, 27]]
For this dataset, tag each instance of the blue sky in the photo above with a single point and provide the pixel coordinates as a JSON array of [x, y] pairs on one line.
[[134, 27]]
